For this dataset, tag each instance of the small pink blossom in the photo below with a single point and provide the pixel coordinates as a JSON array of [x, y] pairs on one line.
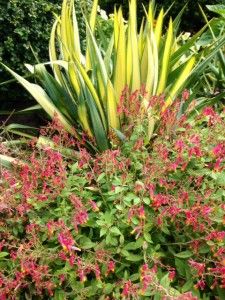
[[185, 95], [199, 267], [200, 285], [219, 150], [209, 111], [110, 267], [94, 206]]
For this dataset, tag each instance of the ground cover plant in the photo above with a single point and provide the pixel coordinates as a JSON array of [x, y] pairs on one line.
[[133, 222]]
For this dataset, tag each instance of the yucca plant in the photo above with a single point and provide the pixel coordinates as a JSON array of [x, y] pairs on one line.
[[83, 89]]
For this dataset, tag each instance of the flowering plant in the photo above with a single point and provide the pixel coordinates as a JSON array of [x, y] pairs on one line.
[[129, 223]]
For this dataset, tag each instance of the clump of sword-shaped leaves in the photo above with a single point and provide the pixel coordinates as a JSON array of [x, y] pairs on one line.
[[84, 89]]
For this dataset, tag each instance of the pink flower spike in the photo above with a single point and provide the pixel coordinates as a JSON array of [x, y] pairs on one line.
[[110, 267]]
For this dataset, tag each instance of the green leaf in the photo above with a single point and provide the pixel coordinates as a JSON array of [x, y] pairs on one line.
[[3, 254], [134, 245], [165, 281], [100, 177], [110, 240], [198, 69], [59, 295], [134, 257], [219, 178], [137, 200], [108, 288], [184, 254], [85, 243], [217, 8], [146, 200], [7, 161], [115, 230], [103, 231], [187, 286], [221, 292], [184, 48], [147, 237], [180, 266]]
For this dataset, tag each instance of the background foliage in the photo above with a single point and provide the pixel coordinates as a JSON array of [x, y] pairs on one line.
[[26, 23], [192, 19]]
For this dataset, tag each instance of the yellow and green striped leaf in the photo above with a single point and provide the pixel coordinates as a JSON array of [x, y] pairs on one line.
[[165, 60]]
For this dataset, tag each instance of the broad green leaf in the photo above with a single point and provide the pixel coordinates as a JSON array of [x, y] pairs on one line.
[[165, 281], [43, 99], [134, 245], [134, 257], [114, 230], [3, 254], [187, 286], [59, 295], [184, 254], [86, 243], [217, 8]]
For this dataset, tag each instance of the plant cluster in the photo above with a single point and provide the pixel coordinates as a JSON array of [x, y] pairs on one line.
[[84, 88], [133, 222]]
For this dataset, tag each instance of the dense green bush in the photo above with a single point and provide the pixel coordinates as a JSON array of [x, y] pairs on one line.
[[23, 23], [130, 223], [29, 22], [26, 23]]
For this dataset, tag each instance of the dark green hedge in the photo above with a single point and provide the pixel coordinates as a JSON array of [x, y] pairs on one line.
[[24, 23]]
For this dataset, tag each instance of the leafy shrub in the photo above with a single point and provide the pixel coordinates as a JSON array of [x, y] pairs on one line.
[[26, 23], [130, 223]]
